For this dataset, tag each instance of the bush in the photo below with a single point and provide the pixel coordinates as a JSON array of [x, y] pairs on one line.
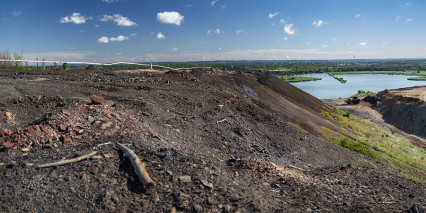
[[65, 66], [357, 147]]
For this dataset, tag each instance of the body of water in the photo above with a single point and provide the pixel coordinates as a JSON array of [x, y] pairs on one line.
[[329, 87]]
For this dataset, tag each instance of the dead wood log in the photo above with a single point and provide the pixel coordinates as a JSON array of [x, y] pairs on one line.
[[63, 162], [137, 165]]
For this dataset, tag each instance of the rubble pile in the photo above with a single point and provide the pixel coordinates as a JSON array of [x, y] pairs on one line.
[[71, 125]]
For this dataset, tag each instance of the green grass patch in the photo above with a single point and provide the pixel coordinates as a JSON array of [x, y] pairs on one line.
[[358, 148], [362, 93], [293, 79], [297, 126], [337, 78], [420, 78]]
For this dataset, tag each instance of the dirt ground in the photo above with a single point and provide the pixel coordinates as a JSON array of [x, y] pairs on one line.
[[212, 141]]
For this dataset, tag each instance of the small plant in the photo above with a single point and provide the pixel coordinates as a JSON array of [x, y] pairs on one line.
[[393, 131], [65, 66], [347, 114]]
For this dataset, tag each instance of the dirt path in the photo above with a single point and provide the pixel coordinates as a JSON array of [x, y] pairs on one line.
[[365, 111]]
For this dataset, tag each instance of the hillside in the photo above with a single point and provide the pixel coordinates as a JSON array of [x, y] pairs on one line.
[[211, 140]]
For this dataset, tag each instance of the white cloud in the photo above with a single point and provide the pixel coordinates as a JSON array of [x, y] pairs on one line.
[[319, 23], [133, 34], [119, 38], [16, 13], [96, 25], [106, 40], [398, 17], [363, 44], [75, 18], [409, 20], [272, 15], [110, 1], [358, 15], [324, 46], [223, 6], [160, 36], [407, 4], [175, 49], [215, 31], [288, 29], [283, 21], [285, 38], [213, 2], [170, 17], [239, 31], [119, 20], [103, 40]]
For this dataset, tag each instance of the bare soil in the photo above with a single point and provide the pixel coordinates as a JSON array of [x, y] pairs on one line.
[[230, 132]]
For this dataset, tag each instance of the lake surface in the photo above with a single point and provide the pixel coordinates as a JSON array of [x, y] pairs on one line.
[[329, 87]]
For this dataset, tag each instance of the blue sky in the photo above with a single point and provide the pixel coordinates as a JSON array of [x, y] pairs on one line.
[[191, 30]]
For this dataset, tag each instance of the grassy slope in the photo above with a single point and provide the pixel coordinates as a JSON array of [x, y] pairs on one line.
[[378, 144]]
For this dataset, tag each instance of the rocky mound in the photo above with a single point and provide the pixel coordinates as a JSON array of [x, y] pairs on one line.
[[404, 112], [211, 142]]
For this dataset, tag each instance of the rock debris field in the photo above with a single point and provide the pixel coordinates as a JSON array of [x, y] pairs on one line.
[[211, 141]]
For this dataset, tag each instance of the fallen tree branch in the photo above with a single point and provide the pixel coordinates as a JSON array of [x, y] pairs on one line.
[[137, 165], [221, 121], [59, 163]]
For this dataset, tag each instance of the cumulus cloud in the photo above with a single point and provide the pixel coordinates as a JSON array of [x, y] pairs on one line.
[[212, 3], [103, 40], [119, 38], [215, 31], [239, 31], [288, 29], [272, 15], [160, 36], [75, 18], [170, 17], [106, 40], [358, 15], [319, 23], [119, 20]]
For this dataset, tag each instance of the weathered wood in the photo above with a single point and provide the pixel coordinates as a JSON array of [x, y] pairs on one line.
[[137, 165], [59, 163]]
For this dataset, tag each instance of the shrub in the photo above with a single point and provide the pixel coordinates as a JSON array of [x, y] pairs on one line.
[[65, 66]]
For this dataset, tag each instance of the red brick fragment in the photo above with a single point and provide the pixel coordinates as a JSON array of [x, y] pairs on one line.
[[7, 145], [6, 131]]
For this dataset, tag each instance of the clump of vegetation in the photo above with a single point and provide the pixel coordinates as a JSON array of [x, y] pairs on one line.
[[337, 78], [65, 66], [420, 78], [293, 79], [358, 148], [362, 93], [297, 126]]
